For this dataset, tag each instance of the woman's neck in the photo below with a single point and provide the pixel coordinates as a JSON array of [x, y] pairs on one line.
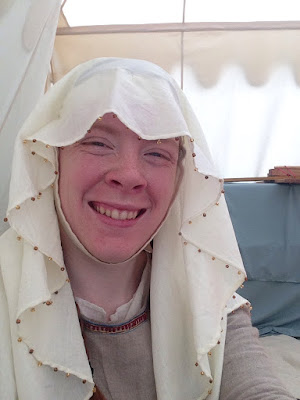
[[106, 285]]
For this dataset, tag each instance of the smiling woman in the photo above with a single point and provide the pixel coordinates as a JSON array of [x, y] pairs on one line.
[[110, 180], [119, 272]]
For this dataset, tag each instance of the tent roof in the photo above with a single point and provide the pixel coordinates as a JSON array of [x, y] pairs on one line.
[[206, 48], [176, 35], [119, 12]]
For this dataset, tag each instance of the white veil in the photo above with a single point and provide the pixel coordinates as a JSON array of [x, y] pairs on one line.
[[196, 265]]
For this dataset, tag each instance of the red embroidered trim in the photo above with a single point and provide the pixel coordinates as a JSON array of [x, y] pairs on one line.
[[134, 323]]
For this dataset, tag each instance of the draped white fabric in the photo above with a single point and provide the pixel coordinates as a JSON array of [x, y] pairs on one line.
[[203, 265], [27, 30]]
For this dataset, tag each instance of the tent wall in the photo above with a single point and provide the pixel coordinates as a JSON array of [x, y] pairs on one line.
[[243, 80], [206, 48]]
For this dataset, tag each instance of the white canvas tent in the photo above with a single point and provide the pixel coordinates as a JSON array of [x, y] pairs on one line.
[[242, 77], [241, 73]]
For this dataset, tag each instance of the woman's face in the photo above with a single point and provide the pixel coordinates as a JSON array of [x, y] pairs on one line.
[[115, 188]]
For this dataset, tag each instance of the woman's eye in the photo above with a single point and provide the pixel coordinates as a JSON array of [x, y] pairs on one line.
[[155, 154], [100, 144], [158, 155], [96, 143]]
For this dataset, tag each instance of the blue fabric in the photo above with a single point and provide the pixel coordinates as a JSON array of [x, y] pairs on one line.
[[266, 219]]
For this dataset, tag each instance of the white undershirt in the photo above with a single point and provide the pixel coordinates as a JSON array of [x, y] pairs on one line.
[[125, 312]]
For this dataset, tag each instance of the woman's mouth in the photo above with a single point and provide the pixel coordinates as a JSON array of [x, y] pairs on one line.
[[114, 213]]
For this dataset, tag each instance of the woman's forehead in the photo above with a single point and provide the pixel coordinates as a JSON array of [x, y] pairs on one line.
[[111, 124]]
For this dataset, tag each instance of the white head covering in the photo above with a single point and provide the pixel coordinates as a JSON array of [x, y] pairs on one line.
[[196, 265]]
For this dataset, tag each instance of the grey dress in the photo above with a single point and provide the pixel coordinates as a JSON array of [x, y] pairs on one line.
[[121, 358]]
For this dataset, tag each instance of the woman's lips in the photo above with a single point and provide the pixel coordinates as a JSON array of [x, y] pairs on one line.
[[117, 214]]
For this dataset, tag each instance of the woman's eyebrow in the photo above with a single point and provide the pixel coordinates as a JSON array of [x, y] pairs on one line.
[[91, 137], [103, 127], [171, 142]]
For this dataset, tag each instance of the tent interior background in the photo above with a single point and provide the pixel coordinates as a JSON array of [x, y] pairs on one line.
[[237, 61]]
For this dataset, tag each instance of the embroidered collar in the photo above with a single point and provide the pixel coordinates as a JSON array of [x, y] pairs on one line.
[[115, 329]]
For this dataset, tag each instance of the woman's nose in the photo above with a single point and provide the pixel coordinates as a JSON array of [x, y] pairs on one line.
[[127, 174]]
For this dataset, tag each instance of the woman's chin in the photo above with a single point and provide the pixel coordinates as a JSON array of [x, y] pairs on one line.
[[115, 257]]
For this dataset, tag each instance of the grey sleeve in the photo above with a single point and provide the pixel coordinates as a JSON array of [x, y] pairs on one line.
[[247, 372]]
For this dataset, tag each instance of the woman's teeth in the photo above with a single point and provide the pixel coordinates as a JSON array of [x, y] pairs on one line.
[[115, 214]]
